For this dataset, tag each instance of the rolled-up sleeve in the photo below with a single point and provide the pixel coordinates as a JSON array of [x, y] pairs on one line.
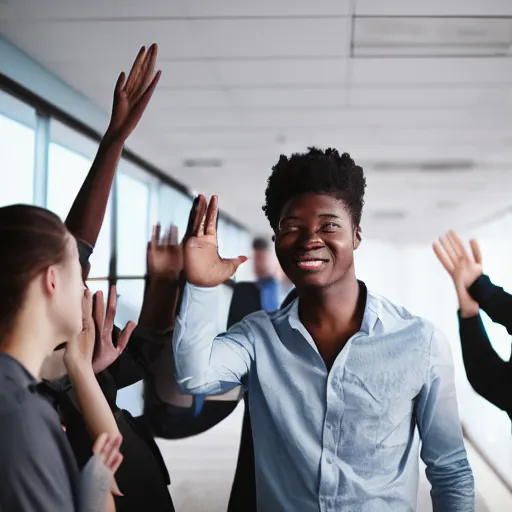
[[204, 362], [443, 450]]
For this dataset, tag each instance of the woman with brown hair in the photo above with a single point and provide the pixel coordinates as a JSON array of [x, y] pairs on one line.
[[42, 305]]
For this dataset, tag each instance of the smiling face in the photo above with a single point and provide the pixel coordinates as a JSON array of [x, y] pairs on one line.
[[315, 241]]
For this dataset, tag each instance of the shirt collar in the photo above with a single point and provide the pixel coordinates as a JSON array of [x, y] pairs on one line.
[[14, 370], [370, 316]]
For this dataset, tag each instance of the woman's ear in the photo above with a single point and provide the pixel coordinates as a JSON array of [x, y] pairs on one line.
[[358, 237]]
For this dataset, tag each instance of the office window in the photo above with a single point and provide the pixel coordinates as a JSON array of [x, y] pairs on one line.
[[70, 156], [96, 286], [130, 294], [174, 208], [17, 139], [132, 224]]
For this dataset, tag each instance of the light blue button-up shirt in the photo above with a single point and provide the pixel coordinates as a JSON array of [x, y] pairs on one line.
[[339, 440]]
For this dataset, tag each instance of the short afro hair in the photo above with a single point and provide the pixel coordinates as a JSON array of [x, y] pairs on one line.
[[316, 172]]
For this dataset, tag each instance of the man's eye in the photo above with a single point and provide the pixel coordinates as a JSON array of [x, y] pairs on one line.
[[330, 226]]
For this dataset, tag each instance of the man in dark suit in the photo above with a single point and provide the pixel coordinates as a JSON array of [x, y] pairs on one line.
[[265, 293]]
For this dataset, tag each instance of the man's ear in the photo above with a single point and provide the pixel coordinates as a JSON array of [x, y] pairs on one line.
[[358, 237]]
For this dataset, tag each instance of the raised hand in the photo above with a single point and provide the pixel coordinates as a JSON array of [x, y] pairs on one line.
[[107, 448], [165, 256], [463, 268], [79, 351], [132, 95], [202, 264], [106, 353]]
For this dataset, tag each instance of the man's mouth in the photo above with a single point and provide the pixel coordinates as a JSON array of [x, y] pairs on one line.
[[310, 263]]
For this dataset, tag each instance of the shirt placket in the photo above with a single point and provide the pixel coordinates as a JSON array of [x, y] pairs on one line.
[[335, 408]]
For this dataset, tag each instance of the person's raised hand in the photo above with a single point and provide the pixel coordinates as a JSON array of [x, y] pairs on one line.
[[165, 256], [79, 351], [132, 94], [463, 268], [105, 352], [202, 264]]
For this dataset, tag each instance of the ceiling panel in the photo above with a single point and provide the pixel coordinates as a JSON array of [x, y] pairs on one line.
[[290, 98], [282, 72], [113, 41], [341, 117], [437, 7], [225, 139], [431, 36], [273, 37], [427, 71], [91, 9], [192, 119], [268, 8], [58, 9], [428, 97]]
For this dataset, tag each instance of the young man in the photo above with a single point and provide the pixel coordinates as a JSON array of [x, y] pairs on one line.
[[339, 379]]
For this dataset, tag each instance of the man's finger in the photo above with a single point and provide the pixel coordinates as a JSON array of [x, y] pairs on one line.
[[155, 237], [475, 249], [124, 336], [146, 71], [458, 245], [140, 105], [111, 310], [134, 71], [200, 216], [172, 236], [99, 310], [448, 249], [210, 224], [443, 258]]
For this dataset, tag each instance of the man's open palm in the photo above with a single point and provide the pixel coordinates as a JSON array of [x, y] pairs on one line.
[[203, 265]]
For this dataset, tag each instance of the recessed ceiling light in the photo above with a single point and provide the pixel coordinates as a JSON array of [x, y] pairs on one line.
[[202, 163]]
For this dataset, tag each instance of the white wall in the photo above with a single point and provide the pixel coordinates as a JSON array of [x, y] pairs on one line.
[[412, 276]]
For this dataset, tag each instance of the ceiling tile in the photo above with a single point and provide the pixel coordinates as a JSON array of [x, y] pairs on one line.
[[437, 7], [112, 41], [407, 97], [267, 8], [92, 9], [431, 36], [255, 38], [347, 118], [290, 98], [427, 71], [282, 72]]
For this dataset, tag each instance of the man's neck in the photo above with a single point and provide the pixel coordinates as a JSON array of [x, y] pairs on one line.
[[337, 308]]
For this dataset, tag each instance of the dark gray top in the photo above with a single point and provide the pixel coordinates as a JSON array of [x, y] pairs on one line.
[[38, 472]]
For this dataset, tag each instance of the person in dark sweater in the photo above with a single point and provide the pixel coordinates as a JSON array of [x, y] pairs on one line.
[[489, 375]]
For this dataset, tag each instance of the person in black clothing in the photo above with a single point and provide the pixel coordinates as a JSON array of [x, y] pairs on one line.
[[488, 374]]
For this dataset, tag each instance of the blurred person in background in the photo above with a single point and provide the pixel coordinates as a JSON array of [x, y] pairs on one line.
[[340, 378], [42, 305], [488, 374]]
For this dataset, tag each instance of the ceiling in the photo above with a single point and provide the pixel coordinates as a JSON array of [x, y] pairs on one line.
[[420, 94]]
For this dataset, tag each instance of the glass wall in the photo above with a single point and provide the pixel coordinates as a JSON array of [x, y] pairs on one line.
[[17, 150], [44, 161]]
